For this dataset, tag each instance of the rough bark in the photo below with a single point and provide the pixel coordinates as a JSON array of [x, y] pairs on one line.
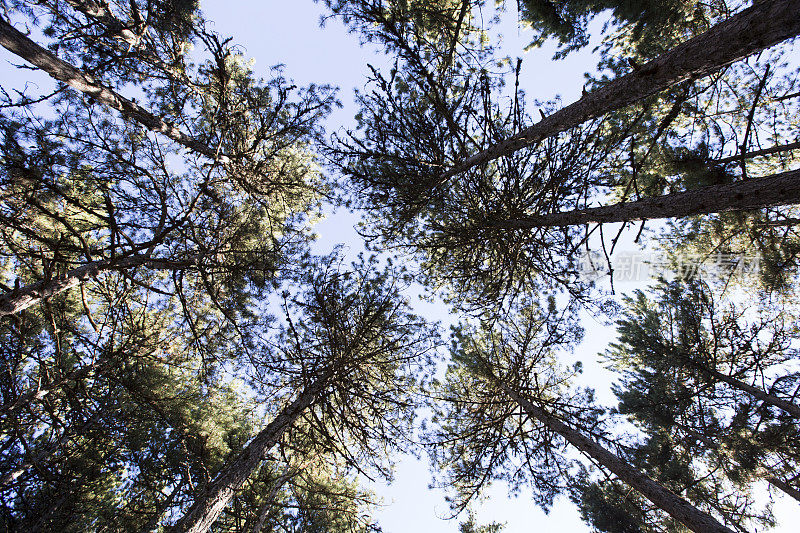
[[770, 191], [19, 44], [24, 297], [681, 510], [784, 487], [763, 25], [202, 514]]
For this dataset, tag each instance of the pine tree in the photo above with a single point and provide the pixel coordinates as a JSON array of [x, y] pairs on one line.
[[713, 355], [350, 357], [258, 199], [700, 56], [510, 414], [489, 231]]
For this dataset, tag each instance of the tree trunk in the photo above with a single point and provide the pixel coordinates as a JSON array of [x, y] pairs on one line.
[[785, 405], [758, 27], [24, 297], [759, 153], [784, 487], [681, 510], [21, 45], [758, 193], [269, 501], [202, 514]]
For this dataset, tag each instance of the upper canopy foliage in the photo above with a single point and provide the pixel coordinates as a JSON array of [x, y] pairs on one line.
[[171, 348]]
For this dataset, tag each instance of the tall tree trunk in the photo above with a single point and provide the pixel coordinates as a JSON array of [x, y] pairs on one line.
[[765, 24], [269, 501], [758, 193], [202, 514], [681, 510], [791, 408], [22, 298], [18, 43], [784, 487]]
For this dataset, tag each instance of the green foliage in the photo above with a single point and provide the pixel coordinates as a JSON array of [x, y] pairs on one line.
[[480, 434], [699, 432], [123, 396], [647, 20], [356, 323], [469, 526]]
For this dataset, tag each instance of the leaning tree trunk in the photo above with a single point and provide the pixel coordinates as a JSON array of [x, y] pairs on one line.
[[769, 191], [789, 407], [765, 24], [777, 149], [269, 501], [784, 487], [21, 298], [202, 514], [681, 510], [21, 45]]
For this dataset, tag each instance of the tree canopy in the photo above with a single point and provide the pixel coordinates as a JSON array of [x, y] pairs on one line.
[[176, 354]]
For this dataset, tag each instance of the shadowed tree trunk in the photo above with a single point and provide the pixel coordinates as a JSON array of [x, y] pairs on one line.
[[761, 26], [18, 43], [784, 487], [269, 501], [204, 511], [785, 405], [770, 191], [681, 510], [22, 298]]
